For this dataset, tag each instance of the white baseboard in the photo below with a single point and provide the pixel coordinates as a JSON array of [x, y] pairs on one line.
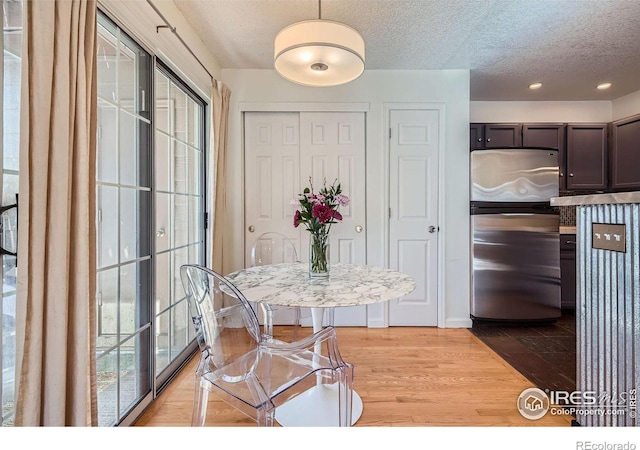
[[458, 323], [376, 323], [450, 323]]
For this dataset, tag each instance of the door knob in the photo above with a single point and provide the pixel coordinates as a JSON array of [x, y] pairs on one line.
[[358, 228], [432, 229], [252, 228]]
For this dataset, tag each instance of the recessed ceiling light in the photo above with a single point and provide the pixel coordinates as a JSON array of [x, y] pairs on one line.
[[535, 85], [602, 86]]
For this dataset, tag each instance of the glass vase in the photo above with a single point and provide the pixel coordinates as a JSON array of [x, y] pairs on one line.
[[319, 256]]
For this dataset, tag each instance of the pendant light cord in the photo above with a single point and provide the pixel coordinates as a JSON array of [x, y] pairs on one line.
[[320, 9]]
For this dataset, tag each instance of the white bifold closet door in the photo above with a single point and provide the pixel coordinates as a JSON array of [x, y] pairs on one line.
[[283, 150]]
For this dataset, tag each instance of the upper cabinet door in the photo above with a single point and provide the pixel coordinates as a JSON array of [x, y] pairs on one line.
[[552, 135], [586, 157], [495, 135], [503, 135], [476, 135], [625, 154]]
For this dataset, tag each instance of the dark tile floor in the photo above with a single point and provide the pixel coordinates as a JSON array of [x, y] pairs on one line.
[[544, 354]]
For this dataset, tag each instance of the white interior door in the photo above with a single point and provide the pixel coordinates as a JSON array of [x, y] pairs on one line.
[[413, 224], [272, 175], [282, 150], [332, 147]]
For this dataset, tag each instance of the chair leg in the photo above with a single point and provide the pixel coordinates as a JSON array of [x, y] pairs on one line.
[[267, 314], [265, 416], [200, 401], [345, 396], [296, 325]]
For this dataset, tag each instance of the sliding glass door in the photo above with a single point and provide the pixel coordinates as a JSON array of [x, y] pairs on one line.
[[150, 178], [150, 217]]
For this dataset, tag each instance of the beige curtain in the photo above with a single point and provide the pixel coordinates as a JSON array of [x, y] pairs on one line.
[[56, 383], [220, 95]]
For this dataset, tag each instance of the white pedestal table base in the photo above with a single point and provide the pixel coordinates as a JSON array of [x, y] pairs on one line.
[[317, 407]]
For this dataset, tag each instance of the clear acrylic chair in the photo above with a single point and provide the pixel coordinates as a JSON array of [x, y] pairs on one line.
[[273, 248], [251, 371], [276, 248]]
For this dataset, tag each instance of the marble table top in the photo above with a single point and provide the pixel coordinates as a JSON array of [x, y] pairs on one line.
[[348, 285]]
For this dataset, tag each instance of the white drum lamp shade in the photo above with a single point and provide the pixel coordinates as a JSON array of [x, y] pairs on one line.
[[319, 53]]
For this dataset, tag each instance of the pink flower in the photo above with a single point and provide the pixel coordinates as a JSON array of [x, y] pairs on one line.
[[320, 197], [337, 215], [295, 201], [297, 218], [342, 199], [322, 213]]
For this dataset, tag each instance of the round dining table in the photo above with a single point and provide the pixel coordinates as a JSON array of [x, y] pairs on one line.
[[289, 284]]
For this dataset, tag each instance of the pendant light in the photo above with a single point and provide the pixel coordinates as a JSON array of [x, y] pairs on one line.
[[319, 52]]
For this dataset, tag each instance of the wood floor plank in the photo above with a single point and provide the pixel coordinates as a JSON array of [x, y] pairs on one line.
[[406, 376]]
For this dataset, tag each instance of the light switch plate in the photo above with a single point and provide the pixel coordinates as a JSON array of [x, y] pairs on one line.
[[608, 236]]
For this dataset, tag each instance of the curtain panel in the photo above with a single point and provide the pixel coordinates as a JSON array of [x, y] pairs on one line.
[[56, 381], [220, 98]]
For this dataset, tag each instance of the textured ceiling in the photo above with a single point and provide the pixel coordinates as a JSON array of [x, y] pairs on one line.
[[568, 45]]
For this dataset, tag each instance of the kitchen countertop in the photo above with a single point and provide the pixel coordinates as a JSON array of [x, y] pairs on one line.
[[567, 229], [597, 199]]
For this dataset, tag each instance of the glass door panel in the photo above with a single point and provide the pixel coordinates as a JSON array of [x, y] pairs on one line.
[[124, 202], [179, 214], [9, 153]]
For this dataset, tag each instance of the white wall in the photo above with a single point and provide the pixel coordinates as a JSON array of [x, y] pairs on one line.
[[526, 111], [626, 106], [575, 111], [375, 89]]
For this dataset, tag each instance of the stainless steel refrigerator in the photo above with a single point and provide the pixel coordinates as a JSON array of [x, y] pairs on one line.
[[516, 241]]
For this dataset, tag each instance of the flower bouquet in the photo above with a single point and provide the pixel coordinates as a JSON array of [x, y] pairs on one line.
[[317, 212]]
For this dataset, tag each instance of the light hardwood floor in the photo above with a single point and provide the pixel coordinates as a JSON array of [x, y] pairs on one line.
[[406, 377]]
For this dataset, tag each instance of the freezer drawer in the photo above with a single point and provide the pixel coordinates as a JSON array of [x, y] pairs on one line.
[[516, 267]]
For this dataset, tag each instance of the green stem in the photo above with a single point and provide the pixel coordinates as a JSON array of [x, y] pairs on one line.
[[318, 257]]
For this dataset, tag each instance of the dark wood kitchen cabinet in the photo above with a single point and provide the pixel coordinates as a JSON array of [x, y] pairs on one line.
[[586, 157], [551, 135], [568, 271], [495, 135], [624, 154], [476, 135]]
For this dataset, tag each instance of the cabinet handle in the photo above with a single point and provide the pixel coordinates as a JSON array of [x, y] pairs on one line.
[[479, 139], [570, 242], [570, 174], [488, 139], [561, 174]]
